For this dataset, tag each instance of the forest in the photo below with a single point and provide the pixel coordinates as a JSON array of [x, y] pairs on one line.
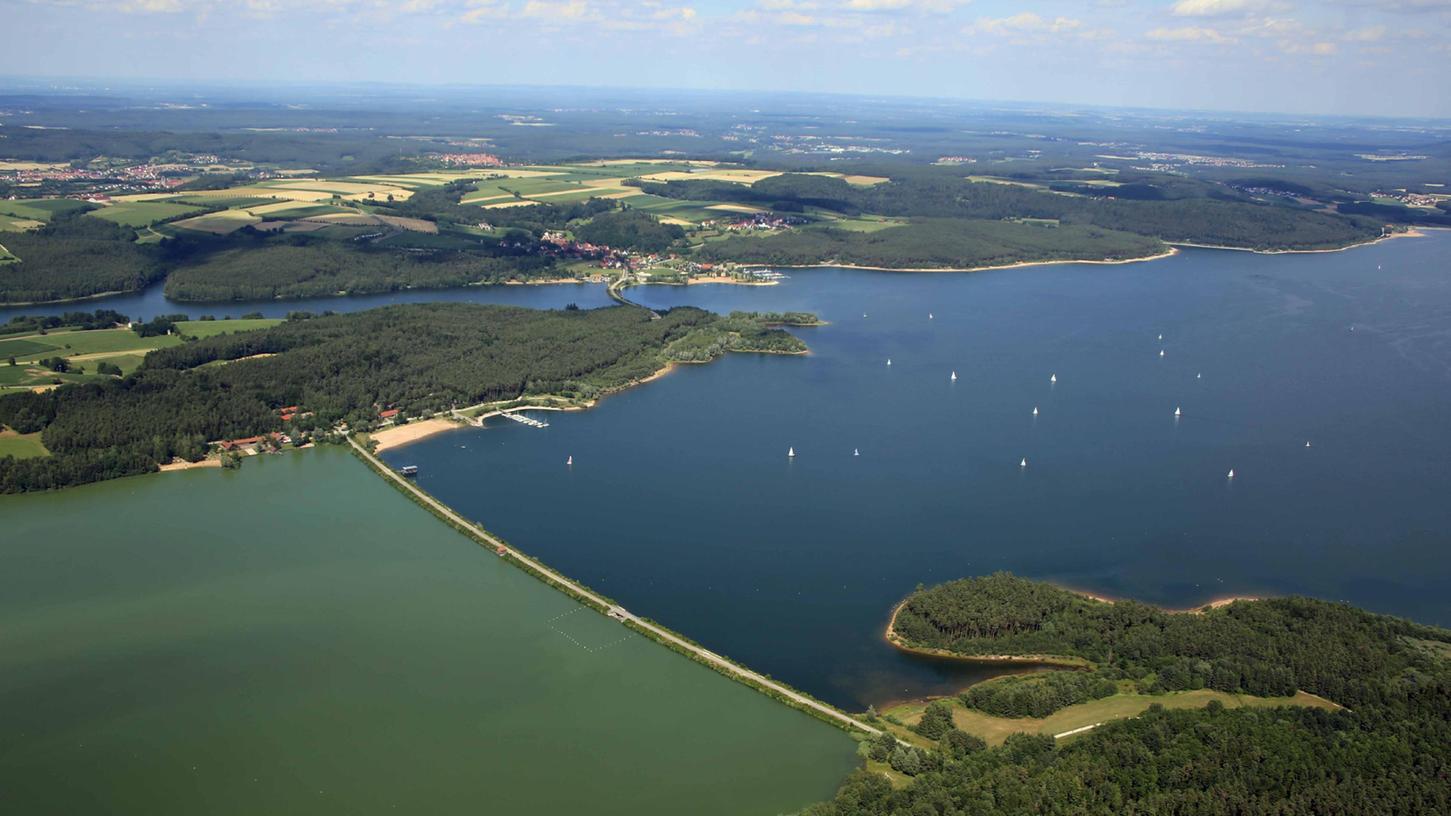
[[420, 359], [298, 267], [935, 194], [74, 256], [1387, 751], [933, 243]]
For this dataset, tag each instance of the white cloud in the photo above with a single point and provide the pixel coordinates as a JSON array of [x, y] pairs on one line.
[[1226, 8], [1197, 34], [1026, 22]]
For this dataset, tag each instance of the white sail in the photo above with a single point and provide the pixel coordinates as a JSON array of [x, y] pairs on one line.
[[1177, 412], [569, 460], [1052, 378], [954, 376], [1231, 474], [790, 453], [1023, 463], [856, 451], [1035, 410]]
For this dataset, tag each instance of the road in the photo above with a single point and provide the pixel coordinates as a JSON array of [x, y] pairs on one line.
[[659, 633]]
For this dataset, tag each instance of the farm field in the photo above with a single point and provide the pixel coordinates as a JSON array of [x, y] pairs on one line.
[[21, 446], [1119, 706], [211, 328], [142, 213]]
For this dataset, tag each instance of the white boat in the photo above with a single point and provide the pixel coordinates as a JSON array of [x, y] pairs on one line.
[[856, 451], [1023, 463], [790, 453], [1199, 376], [1307, 443], [889, 361], [1231, 474], [929, 315], [569, 460], [1035, 410], [1177, 412], [1161, 352], [954, 376], [1052, 378], [1161, 338]]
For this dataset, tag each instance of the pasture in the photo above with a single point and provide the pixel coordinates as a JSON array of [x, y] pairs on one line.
[[21, 446], [211, 328], [142, 213]]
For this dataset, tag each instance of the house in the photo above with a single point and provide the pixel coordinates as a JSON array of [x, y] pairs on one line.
[[391, 413]]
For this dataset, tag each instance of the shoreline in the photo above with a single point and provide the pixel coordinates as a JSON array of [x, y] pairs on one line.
[[1411, 232], [1168, 253]]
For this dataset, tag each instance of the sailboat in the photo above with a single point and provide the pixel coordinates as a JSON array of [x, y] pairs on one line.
[[1035, 410], [1177, 412], [1231, 474], [790, 453], [1161, 352], [1199, 376], [1052, 378], [954, 376], [856, 451], [1307, 443], [1161, 338], [929, 315], [889, 361], [1023, 463], [569, 461]]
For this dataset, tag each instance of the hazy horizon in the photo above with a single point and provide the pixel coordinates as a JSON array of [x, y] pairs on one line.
[[1319, 57]]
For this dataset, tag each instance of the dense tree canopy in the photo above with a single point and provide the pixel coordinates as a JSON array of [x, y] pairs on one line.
[[73, 257]]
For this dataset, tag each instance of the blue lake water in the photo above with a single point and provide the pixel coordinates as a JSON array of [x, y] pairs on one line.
[[682, 504], [152, 301]]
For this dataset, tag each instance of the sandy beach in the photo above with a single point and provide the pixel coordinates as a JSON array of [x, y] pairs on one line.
[[400, 435]]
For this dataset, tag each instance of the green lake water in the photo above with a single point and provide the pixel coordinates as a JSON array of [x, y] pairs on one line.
[[298, 637]]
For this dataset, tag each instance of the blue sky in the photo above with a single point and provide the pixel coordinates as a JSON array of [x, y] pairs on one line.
[[1389, 57]]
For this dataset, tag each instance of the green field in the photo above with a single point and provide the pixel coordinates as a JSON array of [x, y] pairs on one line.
[[212, 328], [40, 209], [142, 213], [24, 348], [1120, 706], [21, 446], [10, 223], [99, 341]]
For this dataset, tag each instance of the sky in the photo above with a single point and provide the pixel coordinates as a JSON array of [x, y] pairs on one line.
[[1376, 57]]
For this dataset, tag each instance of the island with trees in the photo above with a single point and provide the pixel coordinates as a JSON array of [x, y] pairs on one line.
[[1282, 705]]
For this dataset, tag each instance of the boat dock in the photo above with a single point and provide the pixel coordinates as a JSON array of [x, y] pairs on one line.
[[526, 420]]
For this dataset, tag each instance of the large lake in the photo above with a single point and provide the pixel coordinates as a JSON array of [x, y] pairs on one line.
[[299, 637], [682, 503]]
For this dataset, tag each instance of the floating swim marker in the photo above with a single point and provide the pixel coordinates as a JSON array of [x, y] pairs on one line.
[[1035, 410], [1053, 378], [1231, 474], [1023, 463], [790, 453], [954, 376]]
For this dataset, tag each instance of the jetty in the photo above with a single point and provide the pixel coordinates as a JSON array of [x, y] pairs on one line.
[[525, 420]]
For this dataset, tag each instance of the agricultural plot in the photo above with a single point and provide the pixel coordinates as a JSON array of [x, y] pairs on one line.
[[9, 223], [21, 446], [211, 328], [218, 223], [142, 213], [41, 209]]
